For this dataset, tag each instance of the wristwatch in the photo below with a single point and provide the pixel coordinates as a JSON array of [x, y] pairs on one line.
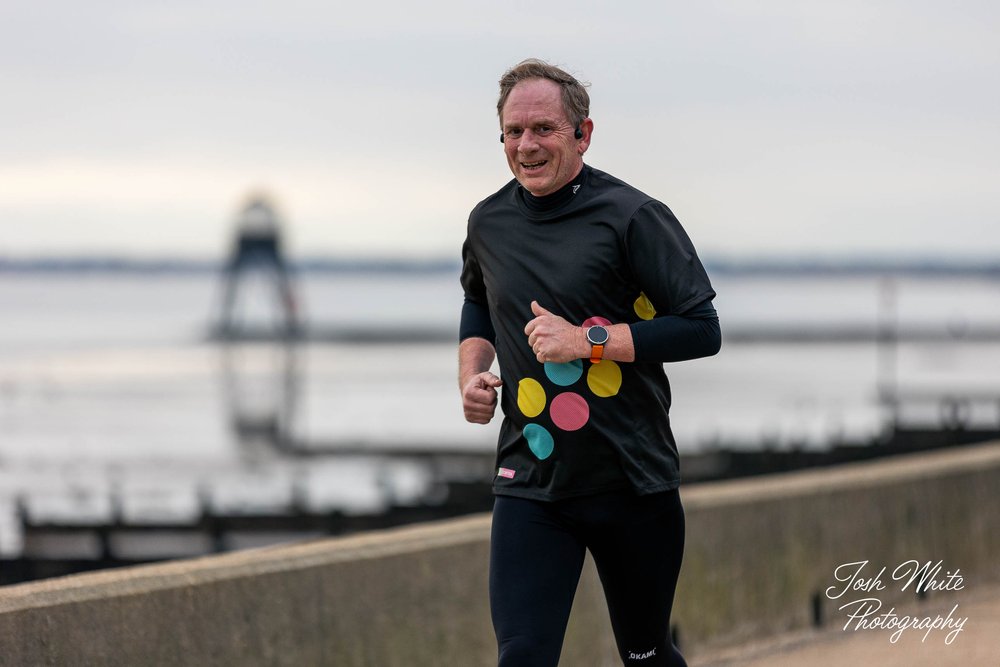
[[597, 336]]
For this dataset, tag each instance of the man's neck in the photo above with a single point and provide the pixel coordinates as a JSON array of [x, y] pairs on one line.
[[556, 199]]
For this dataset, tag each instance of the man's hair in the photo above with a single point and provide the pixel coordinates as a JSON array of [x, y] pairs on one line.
[[576, 101]]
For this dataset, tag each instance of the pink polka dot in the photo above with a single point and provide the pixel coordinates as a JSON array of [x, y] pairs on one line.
[[594, 321], [569, 411]]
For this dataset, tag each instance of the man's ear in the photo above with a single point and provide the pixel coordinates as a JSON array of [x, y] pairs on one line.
[[586, 128]]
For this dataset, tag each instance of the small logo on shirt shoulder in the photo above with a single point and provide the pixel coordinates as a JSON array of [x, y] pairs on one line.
[[506, 472], [575, 188]]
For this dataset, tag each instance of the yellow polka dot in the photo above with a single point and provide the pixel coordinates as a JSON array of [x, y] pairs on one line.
[[643, 308], [605, 378], [530, 397]]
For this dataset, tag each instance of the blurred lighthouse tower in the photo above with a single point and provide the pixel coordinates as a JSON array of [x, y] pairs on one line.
[[259, 324], [258, 296]]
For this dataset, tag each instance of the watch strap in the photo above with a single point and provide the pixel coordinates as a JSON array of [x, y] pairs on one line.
[[596, 353]]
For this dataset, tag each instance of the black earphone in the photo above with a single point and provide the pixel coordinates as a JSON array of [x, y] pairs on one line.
[[578, 133]]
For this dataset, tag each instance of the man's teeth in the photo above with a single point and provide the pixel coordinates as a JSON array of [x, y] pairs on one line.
[[532, 165]]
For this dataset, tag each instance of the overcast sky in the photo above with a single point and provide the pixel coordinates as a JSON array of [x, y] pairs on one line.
[[779, 128]]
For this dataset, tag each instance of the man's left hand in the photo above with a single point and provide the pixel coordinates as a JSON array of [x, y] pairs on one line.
[[554, 339]]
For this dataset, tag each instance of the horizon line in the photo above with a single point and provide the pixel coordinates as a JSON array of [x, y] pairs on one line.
[[760, 264]]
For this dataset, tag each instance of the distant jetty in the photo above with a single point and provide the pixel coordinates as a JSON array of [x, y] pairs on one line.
[[408, 333]]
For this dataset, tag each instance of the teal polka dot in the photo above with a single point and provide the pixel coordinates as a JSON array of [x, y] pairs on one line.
[[564, 374], [539, 441]]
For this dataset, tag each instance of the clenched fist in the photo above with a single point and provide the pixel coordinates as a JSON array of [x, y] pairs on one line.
[[554, 339], [479, 397]]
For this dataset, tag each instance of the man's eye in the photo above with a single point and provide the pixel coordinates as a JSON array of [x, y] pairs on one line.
[[544, 129], [514, 132]]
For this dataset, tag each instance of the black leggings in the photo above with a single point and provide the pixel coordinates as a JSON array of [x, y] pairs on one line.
[[537, 553]]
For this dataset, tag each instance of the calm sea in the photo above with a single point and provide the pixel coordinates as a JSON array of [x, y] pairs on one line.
[[119, 365]]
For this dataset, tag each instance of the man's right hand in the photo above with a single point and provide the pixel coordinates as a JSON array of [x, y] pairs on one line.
[[479, 397]]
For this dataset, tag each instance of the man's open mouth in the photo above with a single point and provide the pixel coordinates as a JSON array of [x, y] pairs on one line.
[[533, 165]]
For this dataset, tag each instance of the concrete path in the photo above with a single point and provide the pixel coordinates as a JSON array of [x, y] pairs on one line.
[[977, 645]]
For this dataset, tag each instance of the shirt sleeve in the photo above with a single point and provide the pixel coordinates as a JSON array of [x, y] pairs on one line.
[[692, 335], [476, 323], [472, 276], [475, 320], [664, 262], [666, 267]]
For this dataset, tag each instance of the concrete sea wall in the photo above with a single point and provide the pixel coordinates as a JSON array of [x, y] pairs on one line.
[[760, 553]]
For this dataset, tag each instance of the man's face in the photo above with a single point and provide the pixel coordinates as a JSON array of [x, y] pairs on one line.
[[541, 150]]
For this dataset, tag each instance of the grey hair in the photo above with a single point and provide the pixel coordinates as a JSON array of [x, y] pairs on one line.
[[576, 101]]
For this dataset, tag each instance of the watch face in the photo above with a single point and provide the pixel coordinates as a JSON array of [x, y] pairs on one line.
[[597, 335]]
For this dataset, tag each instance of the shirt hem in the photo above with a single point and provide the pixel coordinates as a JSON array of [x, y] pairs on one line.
[[538, 494]]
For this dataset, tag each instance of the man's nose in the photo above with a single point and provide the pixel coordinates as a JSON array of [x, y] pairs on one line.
[[528, 142]]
